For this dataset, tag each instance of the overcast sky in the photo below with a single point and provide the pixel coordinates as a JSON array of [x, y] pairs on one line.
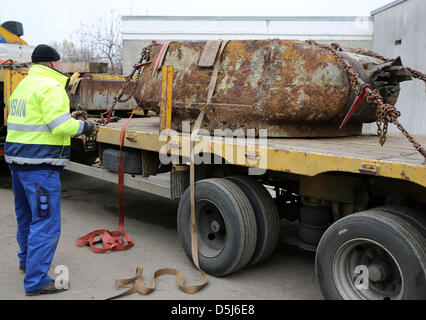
[[54, 20]]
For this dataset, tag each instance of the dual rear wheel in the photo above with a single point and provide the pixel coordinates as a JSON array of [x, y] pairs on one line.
[[378, 254], [237, 223]]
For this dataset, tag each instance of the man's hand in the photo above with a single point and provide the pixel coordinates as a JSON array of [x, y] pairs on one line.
[[79, 115], [89, 128]]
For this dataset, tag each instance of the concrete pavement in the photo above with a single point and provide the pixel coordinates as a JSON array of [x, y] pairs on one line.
[[89, 204]]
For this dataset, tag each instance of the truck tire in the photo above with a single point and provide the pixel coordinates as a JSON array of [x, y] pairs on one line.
[[267, 219], [226, 226], [132, 160], [416, 218], [383, 250]]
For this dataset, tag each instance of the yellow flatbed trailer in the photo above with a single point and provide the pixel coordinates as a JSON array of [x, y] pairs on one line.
[[360, 206], [308, 157]]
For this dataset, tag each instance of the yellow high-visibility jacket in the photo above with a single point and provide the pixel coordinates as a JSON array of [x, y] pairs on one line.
[[39, 125]]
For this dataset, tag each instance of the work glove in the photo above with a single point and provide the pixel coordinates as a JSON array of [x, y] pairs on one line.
[[79, 115], [89, 128]]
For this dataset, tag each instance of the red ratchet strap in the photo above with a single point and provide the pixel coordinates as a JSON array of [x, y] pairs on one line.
[[160, 57], [112, 240], [356, 103], [121, 177]]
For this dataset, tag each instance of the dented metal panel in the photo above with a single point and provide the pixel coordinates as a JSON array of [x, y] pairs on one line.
[[97, 92]]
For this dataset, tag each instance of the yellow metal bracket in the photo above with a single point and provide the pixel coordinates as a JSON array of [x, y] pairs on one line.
[[166, 98], [74, 77]]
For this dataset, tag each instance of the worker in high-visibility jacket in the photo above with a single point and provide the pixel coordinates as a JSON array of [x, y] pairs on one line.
[[37, 148]]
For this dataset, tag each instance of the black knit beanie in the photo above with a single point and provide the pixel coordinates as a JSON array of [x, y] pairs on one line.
[[45, 53]]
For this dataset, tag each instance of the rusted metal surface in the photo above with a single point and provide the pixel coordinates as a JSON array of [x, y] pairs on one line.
[[291, 88], [98, 94]]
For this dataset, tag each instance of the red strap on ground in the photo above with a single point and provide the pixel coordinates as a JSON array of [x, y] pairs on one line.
[[112, 240]]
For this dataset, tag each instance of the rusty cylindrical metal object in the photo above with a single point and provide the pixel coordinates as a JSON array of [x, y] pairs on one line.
[[291, 88]]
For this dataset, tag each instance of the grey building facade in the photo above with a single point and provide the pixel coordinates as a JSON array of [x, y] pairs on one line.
[[400, 30]]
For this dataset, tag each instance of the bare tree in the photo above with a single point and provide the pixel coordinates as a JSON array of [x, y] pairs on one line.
[[98, 42], [75, 52], [105, 38]]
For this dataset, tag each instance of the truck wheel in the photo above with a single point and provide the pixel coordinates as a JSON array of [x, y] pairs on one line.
[[226, 226], [372, 255], [267, 219]]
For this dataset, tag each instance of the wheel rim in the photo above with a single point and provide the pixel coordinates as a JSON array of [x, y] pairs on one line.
[[360, 260], [211, 228]]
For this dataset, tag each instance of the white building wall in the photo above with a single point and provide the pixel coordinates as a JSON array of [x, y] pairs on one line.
[[16, 52], [238, 28]]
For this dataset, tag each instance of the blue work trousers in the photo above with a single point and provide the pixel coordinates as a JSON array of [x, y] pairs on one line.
[[38, 212]]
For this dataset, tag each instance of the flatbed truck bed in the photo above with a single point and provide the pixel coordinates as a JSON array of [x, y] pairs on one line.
[[359, 154]]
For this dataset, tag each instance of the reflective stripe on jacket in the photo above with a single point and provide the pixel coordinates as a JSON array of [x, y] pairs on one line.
[[39, 125]]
